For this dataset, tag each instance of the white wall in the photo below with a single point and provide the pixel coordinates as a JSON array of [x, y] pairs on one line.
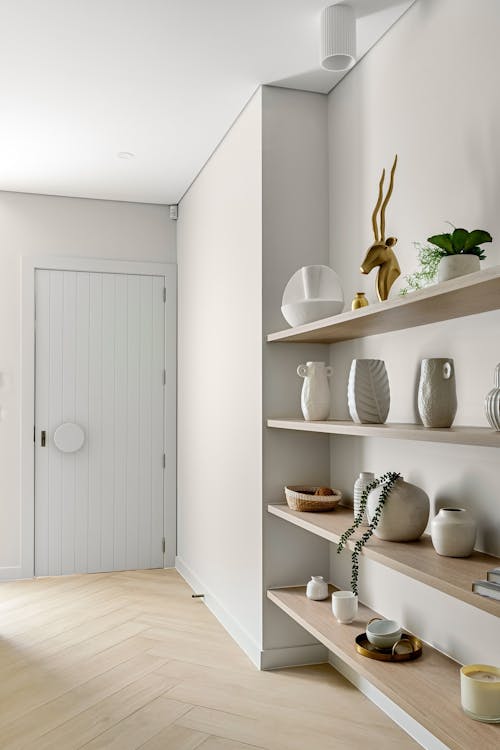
[[428, 91], [220, 393], [35, 225]]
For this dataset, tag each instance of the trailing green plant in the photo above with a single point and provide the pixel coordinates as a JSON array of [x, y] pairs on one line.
[[460, 241], [387, 482], [429, 257]]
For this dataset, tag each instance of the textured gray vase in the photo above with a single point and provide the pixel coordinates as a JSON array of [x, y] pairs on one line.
[[405, 513], [437, 397], [492, 402], [368, 394]]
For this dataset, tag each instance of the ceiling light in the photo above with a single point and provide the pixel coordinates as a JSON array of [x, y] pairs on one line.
[[338, 37], [125, 155]]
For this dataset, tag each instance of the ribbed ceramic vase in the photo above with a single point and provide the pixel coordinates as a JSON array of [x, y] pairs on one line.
[[404, 515], [365, 478], [492, 402], [437, 397], [453, 532], [368, 394]]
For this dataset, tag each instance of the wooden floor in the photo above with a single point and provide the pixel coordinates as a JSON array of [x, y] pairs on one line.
[[129, 660]]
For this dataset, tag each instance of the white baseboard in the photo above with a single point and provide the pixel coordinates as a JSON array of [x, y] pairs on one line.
[[14, 574], [293, 656], [394, 712]]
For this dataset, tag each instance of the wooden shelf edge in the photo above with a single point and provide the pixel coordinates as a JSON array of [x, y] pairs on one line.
[[466, 295], [426, 689], [462, 435], [386, 553]]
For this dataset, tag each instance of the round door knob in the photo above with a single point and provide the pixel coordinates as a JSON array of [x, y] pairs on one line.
[[69, 437]]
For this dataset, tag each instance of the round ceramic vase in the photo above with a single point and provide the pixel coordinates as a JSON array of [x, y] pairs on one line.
[[317, 588], [315, 397], [492, 403], [405, 513], [453, 532], [368, 394], [437, 397], [452, 266]]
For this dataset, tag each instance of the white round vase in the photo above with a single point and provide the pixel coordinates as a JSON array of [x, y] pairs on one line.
[[453, 532], [405, 513], [492, 403], [365, 478], [317, 588], [368, 394], [452, 266], [437, 396], [315, 397]]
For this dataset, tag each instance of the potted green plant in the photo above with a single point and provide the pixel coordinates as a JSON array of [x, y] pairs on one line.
[[460, 251], [429, 258]]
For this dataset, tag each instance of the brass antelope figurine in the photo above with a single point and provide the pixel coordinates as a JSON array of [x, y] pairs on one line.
[[381, 253]]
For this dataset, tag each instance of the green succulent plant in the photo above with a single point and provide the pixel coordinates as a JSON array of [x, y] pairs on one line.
[[460, 241]]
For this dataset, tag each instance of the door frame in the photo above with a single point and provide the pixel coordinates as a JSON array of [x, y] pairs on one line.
[[29, 266]]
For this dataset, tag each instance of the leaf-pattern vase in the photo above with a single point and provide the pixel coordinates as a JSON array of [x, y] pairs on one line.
[[368, 394]]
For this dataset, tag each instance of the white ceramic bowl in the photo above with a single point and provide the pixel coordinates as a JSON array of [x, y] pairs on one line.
[[309, 310], [383, 633]]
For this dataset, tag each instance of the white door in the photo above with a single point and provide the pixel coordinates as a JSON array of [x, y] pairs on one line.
[[99, 367]]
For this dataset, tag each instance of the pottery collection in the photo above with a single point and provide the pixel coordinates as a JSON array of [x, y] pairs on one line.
[[437, 398], [453, 532], [405, 513], [315, 397], [368, 394]]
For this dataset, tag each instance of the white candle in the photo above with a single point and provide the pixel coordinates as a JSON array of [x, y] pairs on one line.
[[480, 689]]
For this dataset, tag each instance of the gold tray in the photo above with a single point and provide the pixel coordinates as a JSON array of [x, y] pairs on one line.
[[364, 647]]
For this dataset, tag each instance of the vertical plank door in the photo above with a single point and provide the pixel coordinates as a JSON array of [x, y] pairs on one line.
[[100, 365]]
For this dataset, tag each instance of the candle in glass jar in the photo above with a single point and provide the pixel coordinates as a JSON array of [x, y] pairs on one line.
[[480, 690]]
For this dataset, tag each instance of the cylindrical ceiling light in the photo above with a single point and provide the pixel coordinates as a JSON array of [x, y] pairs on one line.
[[338, 37]]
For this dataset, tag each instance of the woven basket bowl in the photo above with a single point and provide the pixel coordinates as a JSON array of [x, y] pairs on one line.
[[297, 499]]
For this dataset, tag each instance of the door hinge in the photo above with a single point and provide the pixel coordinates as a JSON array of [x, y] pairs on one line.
[[164, 377], [164, 293], [163, 545], [164, 460]]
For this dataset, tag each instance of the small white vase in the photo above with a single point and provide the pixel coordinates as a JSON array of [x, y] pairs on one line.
[[368, 394], [437, 397], [344, 606], [405, 513], [492, 403], [452, 266], [317, 589], [361, 483], [315, 398], [453, 532]]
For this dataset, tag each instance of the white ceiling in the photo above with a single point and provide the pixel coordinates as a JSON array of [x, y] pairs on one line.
[[81, 80]]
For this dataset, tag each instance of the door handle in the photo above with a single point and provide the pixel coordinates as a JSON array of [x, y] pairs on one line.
[[43, 438]]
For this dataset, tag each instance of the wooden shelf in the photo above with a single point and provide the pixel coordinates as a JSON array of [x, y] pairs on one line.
[[475, 293], [427, 689], [482, 436], [418, 560]]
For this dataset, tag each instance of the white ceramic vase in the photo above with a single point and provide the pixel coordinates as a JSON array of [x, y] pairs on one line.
[[437, 397], [452, 266], [315, 398], [405, 513], [317, 588], [453, 532], [361, 483], [492, 402], [368, 394]]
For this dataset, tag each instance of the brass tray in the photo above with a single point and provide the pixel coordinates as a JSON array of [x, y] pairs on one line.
[[412, 649]]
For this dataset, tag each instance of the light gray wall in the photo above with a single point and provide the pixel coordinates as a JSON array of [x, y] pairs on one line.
[[38, 225], [428, 91], [220, 392]]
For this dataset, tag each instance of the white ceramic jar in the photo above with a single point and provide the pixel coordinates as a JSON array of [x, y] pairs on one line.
[[317, 588], [437, 397], [315, 398], [365, 478], [404, 515], [453, 532], [492, 403], [344, 606]]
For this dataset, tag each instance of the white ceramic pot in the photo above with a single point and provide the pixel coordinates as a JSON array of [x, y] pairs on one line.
[[344, 606], [313, 293], [437, 397], [452, 266], [368, 394], [453, 532], [317, 588], [315, 398], [405, 513], [492, 403], [361, 483]]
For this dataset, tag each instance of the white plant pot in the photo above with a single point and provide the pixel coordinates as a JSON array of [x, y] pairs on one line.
[[492, 403], [317, 589], [437, 397], [315, 398], [368, 394], [452, 266], [453, 532], [405, 513]]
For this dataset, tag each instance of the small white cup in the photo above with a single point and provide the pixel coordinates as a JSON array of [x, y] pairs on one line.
[[344, 606]]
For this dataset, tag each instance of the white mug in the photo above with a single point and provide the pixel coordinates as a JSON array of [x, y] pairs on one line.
[[344, 606]]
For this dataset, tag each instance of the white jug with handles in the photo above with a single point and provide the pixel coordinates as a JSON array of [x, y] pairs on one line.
[[315, 399]]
